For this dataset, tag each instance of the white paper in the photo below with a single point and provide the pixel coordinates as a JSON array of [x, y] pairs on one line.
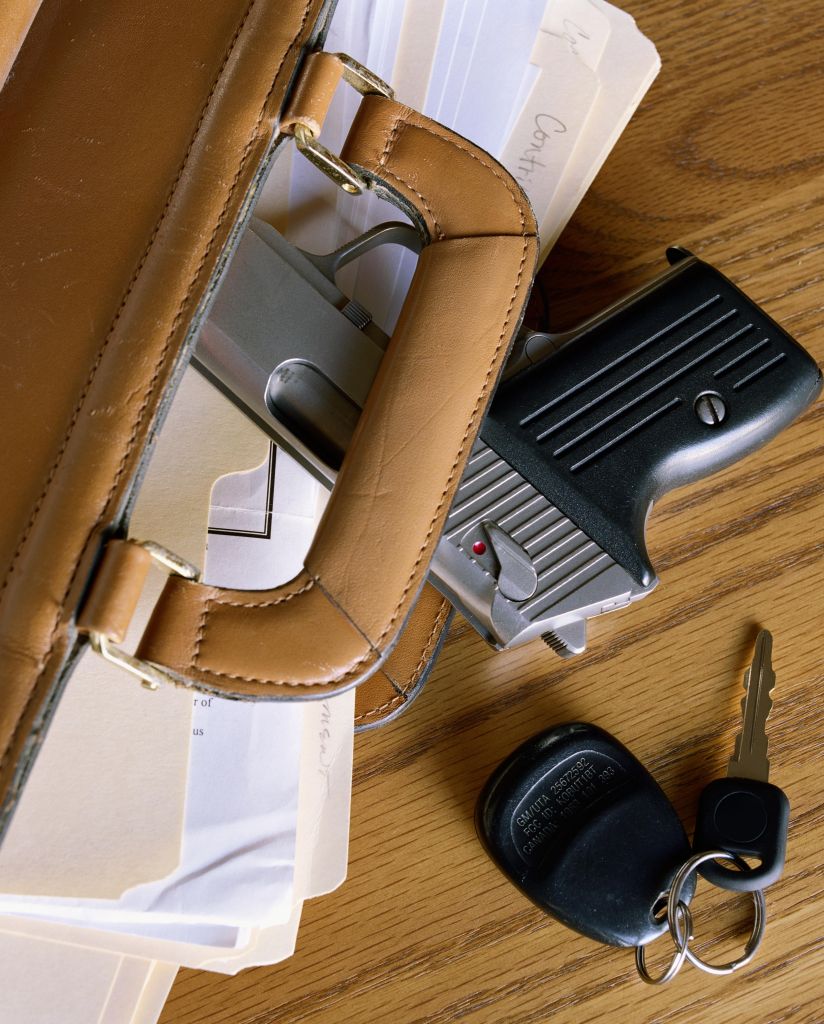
[[113, 745], [235, 889], [153, 997], [552, 121], [48, 982], [138, 992], [323, 827], [454, 43], [583, 27], [199, 943], [488, 89], [626, 70], [237, 859], [422, 23], [323, 836]]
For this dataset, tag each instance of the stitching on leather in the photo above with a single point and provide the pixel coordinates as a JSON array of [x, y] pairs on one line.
[[339, 607], [372, 651], [484, 163], [492, 167], [353, 670], [430, 644], [431, 641], [130, 287], [341, 677], [387, 149], [225, 603], [438, 229], [396, 686], [78, 408], [390, 141], [481, 402], [383, 707], [210, 602]]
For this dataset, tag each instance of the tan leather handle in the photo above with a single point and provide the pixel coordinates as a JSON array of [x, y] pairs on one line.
[[388, 692], [335, 623]]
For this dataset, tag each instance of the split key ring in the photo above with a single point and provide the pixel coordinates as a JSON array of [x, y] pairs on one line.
[[679, 920]]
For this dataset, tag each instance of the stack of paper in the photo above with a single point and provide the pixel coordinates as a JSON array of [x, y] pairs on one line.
[[546, 86], [166, 828], [162, 826]]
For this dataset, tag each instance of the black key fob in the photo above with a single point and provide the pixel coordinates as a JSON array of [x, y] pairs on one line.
[[582, 828], [748, 817]]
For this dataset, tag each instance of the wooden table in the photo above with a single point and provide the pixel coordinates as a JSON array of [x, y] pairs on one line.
[[725, 155]]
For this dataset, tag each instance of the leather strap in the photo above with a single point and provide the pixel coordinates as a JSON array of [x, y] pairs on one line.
[[309, 105], [390, 690], [123, 182], [115, 590], [335, 623]]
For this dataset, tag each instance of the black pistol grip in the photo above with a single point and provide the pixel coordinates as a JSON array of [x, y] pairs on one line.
[[680, 380]]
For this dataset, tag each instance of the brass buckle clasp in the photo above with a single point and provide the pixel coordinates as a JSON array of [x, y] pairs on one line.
[[346, 177], [150, 676]]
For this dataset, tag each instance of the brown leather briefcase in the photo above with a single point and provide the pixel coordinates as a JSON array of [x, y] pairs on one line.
[[134, 141]]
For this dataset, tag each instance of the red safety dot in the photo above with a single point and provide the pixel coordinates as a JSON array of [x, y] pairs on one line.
[[479, 547]]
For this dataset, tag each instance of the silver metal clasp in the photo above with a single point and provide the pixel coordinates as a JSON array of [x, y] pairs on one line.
[[150, 676], [346, 177]]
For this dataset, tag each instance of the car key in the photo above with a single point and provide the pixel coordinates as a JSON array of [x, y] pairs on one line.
[[744, 813], [578, 824]]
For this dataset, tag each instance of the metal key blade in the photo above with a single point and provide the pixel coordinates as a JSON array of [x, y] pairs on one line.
[[750, 759]]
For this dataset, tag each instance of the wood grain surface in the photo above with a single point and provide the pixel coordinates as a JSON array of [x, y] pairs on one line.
[[726, 155]]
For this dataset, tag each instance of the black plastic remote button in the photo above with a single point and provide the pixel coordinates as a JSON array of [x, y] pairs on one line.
[[577, 823]]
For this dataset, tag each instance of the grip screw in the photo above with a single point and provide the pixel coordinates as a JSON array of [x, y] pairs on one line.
[[710, 409]]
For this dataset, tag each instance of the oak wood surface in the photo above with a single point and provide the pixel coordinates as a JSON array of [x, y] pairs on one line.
[[725, 155]]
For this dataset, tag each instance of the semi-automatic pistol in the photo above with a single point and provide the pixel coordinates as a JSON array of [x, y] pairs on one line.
[[585, 432]]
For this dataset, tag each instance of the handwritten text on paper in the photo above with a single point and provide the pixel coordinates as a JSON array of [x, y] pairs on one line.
[[529, 162]]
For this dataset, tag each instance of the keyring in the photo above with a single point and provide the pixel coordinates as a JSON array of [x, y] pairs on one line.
[[678, 958], [674, 904]]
